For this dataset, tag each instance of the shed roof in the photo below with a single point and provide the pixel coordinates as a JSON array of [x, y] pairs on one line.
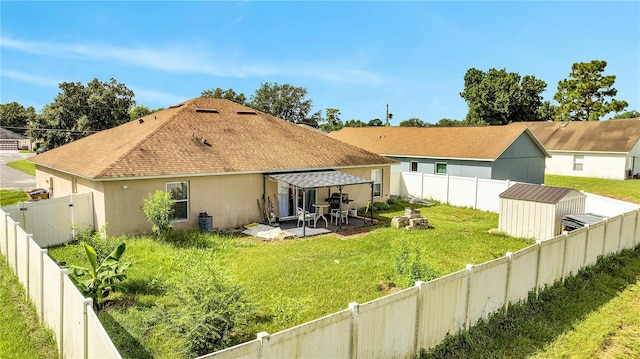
[[202, 137], [538, 193], [480, 143], [596, 136]]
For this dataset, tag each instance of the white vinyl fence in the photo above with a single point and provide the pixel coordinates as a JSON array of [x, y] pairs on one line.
[[78, 332], [54, 221], [400, 324], [473, 192]]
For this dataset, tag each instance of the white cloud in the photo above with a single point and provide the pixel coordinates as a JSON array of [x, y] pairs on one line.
[[191, 60], [32, 79]]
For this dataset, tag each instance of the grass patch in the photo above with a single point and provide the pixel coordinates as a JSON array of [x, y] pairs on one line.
[[626, 190], [25, 166], [286, 282], [580, 302], [9, 197], [21, 334]]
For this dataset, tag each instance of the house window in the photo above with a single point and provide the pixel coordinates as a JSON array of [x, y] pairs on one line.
[[180, 194], [376, 176], [441, 168], [578, 163], [414, 166]]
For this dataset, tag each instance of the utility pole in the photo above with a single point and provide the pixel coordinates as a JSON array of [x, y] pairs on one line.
[[389, 116]]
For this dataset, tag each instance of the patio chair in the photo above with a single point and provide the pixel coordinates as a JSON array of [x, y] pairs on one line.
[[341, 214], [305, 216]]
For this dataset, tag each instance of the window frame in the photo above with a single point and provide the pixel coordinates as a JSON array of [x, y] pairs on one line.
[[176, 201], [377, 182], [412, 165], [435, 168], [578, 162]]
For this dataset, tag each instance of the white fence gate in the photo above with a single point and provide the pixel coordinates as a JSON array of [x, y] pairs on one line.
[[54, 221]]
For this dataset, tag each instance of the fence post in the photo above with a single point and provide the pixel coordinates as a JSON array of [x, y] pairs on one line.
[[447, 189], [63, 273], [604, 239], [85, 329], [262, 336], [539, 245], [586, 244], [353, 347], [72, 216], [507, 286], [6, 236], [419, 313], [468, 299], [565, 235], [475, 194], [636, 233], [43, 252], [28, 244], [15, 246], [421, 185]]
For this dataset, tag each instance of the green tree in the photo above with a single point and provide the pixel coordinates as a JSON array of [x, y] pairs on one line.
[[445, 122], [547, 112], [229, 94], [79, 110], [412, 122], [159, 209], [286, 102], [333, 121], [355, 123], [628, 114], [17, 118], [498, 97], [375, 122], [139, 111], [584, 96]]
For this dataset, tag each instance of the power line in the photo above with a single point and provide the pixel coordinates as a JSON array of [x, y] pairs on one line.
[[50, 129]]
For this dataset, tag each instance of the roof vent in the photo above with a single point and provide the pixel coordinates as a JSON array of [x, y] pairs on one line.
[[207, 110], [246, 112], [176, 106]]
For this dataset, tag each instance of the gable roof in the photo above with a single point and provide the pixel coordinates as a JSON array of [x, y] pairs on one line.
[[538, 193], [10, 135], [199, 137], [481, 143], [598, 136]]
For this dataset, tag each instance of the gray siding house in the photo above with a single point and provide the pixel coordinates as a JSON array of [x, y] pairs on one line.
[[493, 152]]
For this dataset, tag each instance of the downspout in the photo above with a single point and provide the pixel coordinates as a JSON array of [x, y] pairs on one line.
[[340, 208]]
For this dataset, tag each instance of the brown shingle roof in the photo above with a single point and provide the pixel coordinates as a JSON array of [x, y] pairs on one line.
[[486, 143], [602, 136], [536, 193], [170, 142]]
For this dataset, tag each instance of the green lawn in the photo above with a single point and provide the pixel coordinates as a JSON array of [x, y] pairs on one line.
[[21, 335], [24, 166], [9, 197], [628, 190], [288, 282]]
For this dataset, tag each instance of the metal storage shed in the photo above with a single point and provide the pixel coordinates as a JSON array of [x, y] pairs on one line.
[[536, 211]]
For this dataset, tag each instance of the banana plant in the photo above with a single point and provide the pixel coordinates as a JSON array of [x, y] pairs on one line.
[[100, 279]]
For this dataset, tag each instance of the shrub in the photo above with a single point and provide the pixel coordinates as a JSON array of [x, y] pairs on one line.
[[380, 206], [409, 264], [158, 209]]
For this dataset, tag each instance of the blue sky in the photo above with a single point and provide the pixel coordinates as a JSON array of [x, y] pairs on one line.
[[354, 56]]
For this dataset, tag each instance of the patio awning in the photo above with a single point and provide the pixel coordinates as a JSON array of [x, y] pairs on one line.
[[307, 180]]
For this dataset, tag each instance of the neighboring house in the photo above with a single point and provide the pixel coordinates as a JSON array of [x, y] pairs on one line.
[[536, 211], [10, 140], [215, 156], [494, 152], [600, 149]]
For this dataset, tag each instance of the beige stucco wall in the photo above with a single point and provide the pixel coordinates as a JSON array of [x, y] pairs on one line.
[[232, 200]]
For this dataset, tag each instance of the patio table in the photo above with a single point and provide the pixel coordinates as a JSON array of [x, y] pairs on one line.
[[320, 209]]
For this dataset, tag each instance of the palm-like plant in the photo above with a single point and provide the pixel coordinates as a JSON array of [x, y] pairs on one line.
[[100, 279]]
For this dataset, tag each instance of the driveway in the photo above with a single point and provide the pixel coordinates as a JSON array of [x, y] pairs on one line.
[[11, 178]]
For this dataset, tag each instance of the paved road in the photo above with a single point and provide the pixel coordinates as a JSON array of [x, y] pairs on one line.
[[11, 178]]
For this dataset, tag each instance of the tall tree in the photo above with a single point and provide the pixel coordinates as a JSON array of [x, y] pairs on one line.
[[332, 119], [498, 97], [584, 95], [229, 94], [412, 122], [446, 122], [284, 101], [16, 118], [80, 110]]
